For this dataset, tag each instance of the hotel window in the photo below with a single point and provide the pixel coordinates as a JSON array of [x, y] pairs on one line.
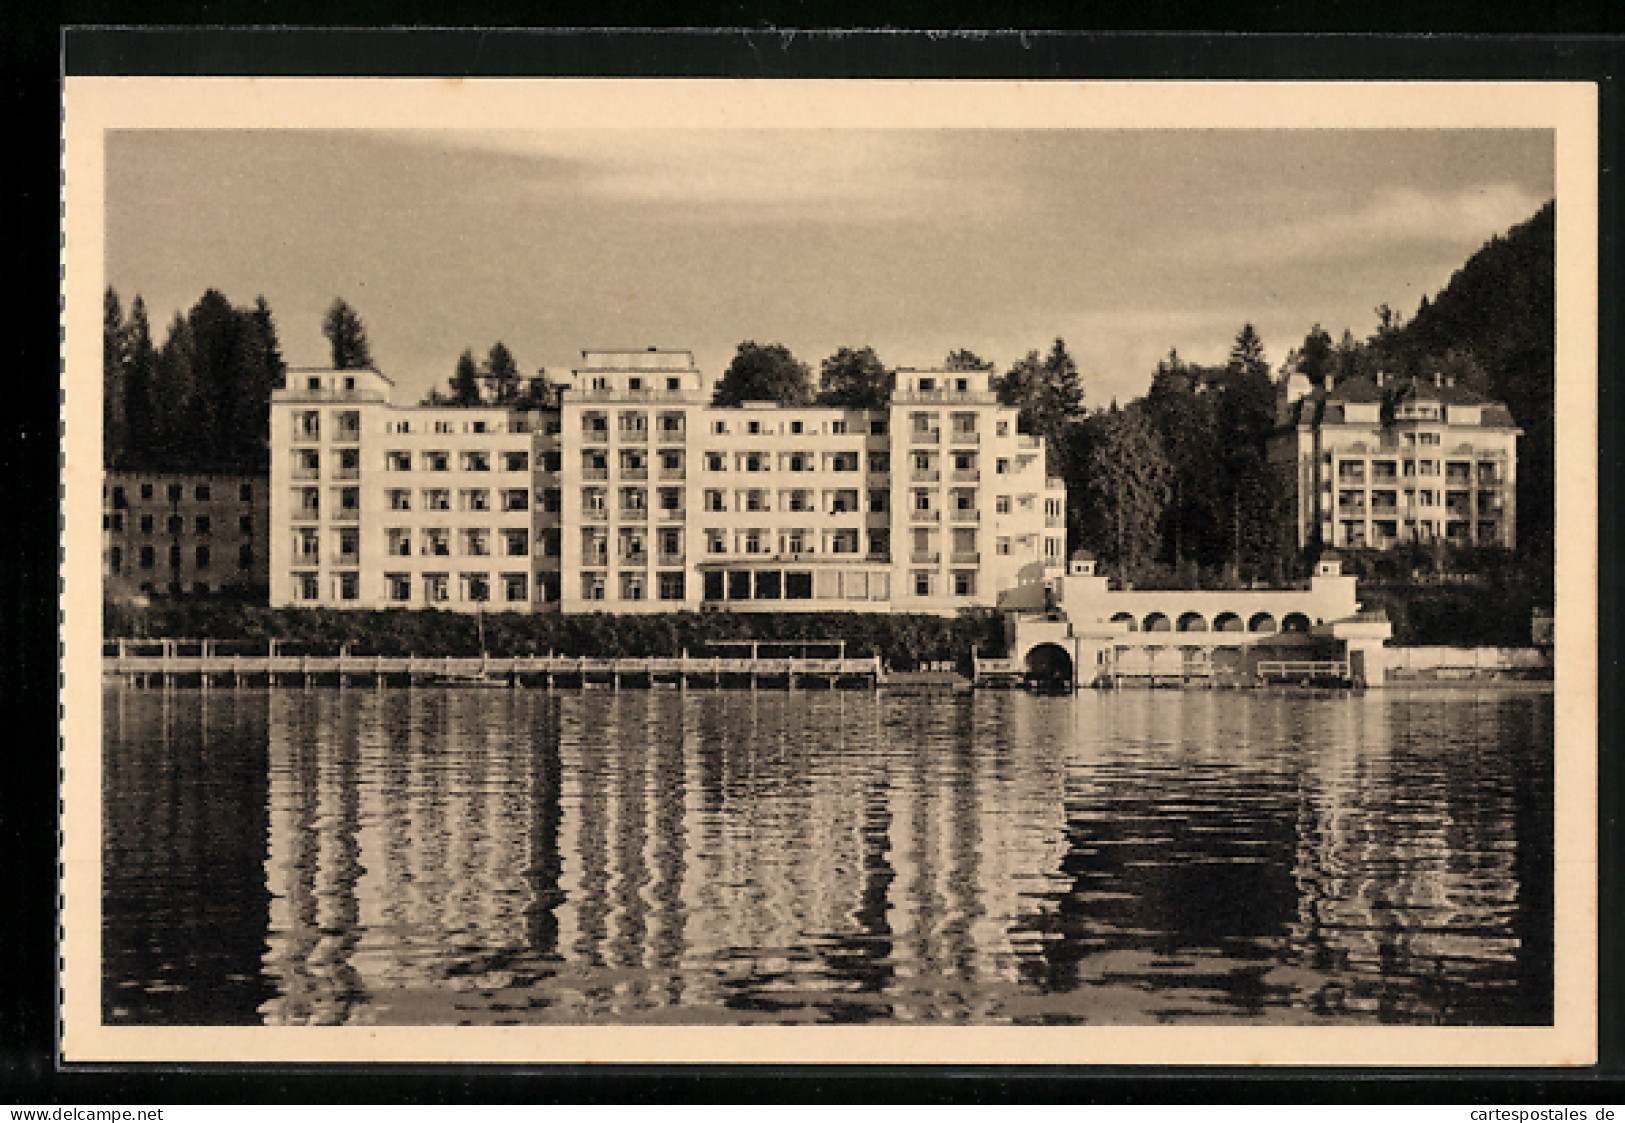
[[964, 499], [879, 542], [175, 491], [878, 427], [1002, 466], [201, 493], [793, 542], [437, 542], [146, 524], [310, 586], [475, 427], [753, 461], [634, 466], [204, 524], [476, 499], [796, 427], [595, 465], [632, 547], [400, 499], [399, 427], [399, 586], [754, 500], [671, 543], [1001, 546], [307, 545], [476, 587], [516, 587], [594, 548], [964, 461], [844, 462], [715, 542], [444, 427], [632, 586], [674, 383], [965, 583], [116, 522], [922, 582], [797, 462], [476, 542], [671, 422], [880, 462], [115, 559], [118, 498], [843, 502], [348, 425], [633, 499], [148, 557], [922, 500], [202, 557], [593, 499], [349, 464], [552, 460], [671, 463], [516, 542], [146, 491], [400, 542], [843, 542], [349, 502], [398, 461], [752, 541], [176, 524], [719, 427], [634, 383], [476, 461], [754, 428], [516, 499], [838, 428], [798, 500], [309, 427], [714, 500], [308, 465], [436, 499], [714, 461], [633, 424], [671, 499], [550, 539], [592, 586], [552, 500], [436, 587], [349, 545], [672, 586], [437, 462]]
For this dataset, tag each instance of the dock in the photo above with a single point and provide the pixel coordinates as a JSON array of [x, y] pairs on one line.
[[201, 664]]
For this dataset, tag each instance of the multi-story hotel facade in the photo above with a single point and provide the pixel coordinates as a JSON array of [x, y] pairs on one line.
[[638, 495], [175, 533], [1373, 464]]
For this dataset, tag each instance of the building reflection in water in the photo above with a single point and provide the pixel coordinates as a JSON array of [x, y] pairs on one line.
[[443, 857]]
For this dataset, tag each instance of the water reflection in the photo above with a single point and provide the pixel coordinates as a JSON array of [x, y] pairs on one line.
[[512, 857]]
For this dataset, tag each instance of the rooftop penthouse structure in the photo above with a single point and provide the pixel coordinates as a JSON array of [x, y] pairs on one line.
[[1372, 464], [638, 495]]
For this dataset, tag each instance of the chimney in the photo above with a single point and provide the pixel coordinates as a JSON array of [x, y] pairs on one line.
[[1382, 378]]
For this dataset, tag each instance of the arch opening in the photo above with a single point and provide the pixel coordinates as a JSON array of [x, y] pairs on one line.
[[1227, 622], [1261, 622], [1193, 622], [1157, 622], [1295, 622], [1049, 663], [1127, 618]]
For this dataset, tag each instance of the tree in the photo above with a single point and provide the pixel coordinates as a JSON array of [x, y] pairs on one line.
[[856, 380], [140, 366], [966, 360], [115, 399], [465, 381], [1314, 359], [764, 373], [503, 373], [1047, 391], [1128, 486], [1182, 414], [1245, 416], [347, 335]]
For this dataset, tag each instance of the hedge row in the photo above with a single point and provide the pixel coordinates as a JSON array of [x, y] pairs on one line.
[[903, 641]]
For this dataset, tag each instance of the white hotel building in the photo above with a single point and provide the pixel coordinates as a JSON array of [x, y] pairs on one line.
[[639, 496]]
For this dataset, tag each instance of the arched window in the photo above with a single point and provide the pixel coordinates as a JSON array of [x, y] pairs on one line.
[[1261, 622], [1227, 622], [1127, 618], [1295, 622], [1193, 622], [1157, 622]]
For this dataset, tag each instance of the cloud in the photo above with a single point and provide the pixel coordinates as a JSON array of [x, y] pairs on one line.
[[833, 174], [1394, 219]]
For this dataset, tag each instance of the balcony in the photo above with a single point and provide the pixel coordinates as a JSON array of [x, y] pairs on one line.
[[965, 557], [595, 473], [633, 514], [966, 476], [1055, 522], [920, 516], [925, 475], [966, 516], [947, 397], [1028, 441], [634, 473], [672, 558], [633, 436], [964, 437], [595, 436], [595, 514], [346, 515], [924, 557], [925, 436], [673, 514], [596, 558], [673, 474], [307, 514]]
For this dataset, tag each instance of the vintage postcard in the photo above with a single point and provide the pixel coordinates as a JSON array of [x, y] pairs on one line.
[[829, 571]]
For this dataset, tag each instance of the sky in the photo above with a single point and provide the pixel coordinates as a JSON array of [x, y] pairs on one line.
[[916, 242]]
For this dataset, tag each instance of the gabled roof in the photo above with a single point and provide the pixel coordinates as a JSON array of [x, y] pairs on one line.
[[1416, 390], [1359, 389]]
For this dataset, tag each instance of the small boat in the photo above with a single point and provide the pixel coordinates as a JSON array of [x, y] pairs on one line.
[[471, 679]]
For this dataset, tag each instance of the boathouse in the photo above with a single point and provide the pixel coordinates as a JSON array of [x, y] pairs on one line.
[[1088, 633]]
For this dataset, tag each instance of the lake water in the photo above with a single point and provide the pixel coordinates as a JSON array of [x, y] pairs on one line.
[[446, 857]]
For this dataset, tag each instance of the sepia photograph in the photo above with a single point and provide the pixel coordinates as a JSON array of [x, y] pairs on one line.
[[1061, 573]]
